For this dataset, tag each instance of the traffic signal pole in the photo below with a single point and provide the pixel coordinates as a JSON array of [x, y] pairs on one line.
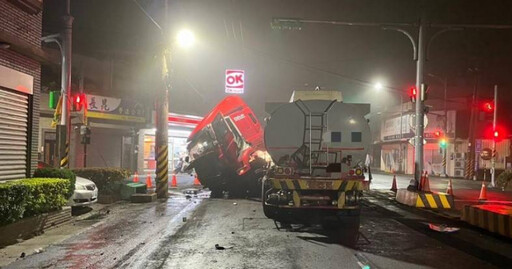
[[493, 160], [418, 141]]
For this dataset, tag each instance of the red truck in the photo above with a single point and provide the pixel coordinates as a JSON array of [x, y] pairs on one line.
[[227, 151]]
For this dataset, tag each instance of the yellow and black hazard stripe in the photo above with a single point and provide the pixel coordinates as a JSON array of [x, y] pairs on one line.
[[308, 184], [495, 222], [162, 171], [64, 161], [435, 200]]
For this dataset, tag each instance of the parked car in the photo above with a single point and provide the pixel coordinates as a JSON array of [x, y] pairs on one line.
[[86, 192]]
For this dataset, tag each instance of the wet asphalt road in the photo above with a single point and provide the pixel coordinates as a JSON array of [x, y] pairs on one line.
[[156, 236]]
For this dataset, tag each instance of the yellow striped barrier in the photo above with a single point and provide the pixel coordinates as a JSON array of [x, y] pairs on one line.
[[425, 199], [494, 218]]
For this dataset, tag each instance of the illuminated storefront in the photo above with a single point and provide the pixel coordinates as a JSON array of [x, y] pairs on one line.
[[180, 127]]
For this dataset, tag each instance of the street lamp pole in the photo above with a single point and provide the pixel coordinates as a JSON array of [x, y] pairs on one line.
[[63, 40]]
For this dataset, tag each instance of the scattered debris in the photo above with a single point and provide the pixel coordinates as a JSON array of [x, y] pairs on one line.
[[184, 219], [235, 203], [442, 228], [232, 232], [254, 210], [101, 254], [23, 254], [219, 247], [39, 250]]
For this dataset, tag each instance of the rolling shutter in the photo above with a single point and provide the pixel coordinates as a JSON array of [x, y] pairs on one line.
[[13, 134]]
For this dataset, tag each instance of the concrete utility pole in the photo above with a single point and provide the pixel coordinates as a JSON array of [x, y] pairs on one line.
[[493, 160], [162, 108], [64, 40]]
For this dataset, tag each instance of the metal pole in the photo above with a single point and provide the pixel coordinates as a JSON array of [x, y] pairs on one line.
[[493, 160], [420, 62], [444, 174], [401, 133], [63, 129]]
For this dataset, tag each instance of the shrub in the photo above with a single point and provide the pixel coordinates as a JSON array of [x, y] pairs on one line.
[[505, 179], [108, 180], [58, 173], [32, 196]]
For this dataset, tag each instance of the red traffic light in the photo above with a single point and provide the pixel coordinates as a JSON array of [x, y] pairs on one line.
[[437, 134], [496, 134], [79, 101], [413, 94], [488, 107]]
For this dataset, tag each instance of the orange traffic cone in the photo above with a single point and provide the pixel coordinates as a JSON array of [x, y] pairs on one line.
[[483, 192], [426, 187], [174, 182], [393, 185], [196, 181], [449, 190], [148, 181], [136, 178]]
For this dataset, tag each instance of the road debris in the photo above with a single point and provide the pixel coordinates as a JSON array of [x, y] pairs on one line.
[[219, 247], [23, 254], [235, 203], [184, 219], [443, 228]]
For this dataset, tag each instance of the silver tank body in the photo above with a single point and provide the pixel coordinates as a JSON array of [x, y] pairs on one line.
[[286, 129]]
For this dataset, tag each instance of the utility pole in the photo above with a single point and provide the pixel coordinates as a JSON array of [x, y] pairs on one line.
[[493, 160], [162, 112], [64, 126]]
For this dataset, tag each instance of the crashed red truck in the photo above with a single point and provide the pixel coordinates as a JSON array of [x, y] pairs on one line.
[[226, 149]]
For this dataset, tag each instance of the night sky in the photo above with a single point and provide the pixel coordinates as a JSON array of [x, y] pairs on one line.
[[237, 34]]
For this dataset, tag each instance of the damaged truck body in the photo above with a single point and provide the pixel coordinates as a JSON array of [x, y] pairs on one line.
[[226, 149]]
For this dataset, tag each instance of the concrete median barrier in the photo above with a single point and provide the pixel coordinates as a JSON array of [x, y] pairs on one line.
[[425, 199]]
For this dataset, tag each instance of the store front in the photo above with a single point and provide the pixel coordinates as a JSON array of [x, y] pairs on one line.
[[180, 127]]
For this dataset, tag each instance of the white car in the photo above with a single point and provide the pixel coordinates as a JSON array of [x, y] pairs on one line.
[[85, 193]]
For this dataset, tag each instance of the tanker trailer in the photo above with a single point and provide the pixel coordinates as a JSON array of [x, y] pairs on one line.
[[226, 149], [318, 145]]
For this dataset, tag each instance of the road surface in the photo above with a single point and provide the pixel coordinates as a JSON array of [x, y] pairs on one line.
[[183, 233]]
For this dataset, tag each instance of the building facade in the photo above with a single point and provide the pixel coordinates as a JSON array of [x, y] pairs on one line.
[[394, 150], [20, 84]]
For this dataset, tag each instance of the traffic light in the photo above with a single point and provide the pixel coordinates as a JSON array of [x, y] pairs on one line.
[[442, 143], [413, 94], [437, 134], [496, 134], [488, 107], [79, 101]]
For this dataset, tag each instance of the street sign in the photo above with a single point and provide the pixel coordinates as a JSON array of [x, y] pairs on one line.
[[412, 121], [486, 154], [412, 141], [235, 81]]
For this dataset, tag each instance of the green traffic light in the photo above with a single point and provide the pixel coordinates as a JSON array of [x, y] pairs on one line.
[[442, 143]]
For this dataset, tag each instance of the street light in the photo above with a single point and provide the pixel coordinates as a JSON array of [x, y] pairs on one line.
[[378, 86], [185, 38]]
